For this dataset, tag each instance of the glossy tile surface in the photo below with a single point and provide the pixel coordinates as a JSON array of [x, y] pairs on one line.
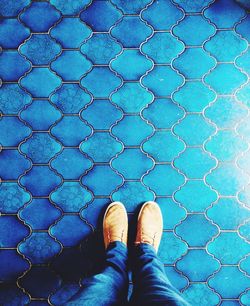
[[150, 101]]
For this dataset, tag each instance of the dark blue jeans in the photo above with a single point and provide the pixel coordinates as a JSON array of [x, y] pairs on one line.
[[109, 288]]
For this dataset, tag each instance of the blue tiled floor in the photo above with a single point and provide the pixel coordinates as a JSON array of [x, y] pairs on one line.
[[130, 101]]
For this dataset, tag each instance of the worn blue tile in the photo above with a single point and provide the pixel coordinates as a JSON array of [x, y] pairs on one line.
[[186, 30], [12, 66], [162, 15], [105, 9], [11, 294], [39, 248], [100, 48], [124, 32], [40, 281], [9, 224], [131, 7], [93, 81], [242, 28], [40, 115], [108, 147], [17, 164], [68, 7], [12, 33], [101, 114], [70, 230], [39, 214], [243, 94], [13, 8], [31, 16], [41, 82], [71, 164], [136, 65], [244, 231], [245, 298], [243, 61], [48, 180], [13, 131], [40, 49], [201, 294], [193, 6], [18, 265], [244, 264], [71, 196], [71, 130]]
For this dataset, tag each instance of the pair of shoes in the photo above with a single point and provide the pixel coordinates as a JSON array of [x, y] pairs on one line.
[[149, 224]]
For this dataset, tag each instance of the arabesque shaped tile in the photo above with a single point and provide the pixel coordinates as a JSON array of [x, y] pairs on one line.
[[230, 13], [136, 65], [11, 293], [157, 80], [31, 17], [13, 99], [244, 264], [100, 48], [71, 164], [243, 94], [225, 46], [93, 81], [71, 197], [163, 47], [8, 224], [244, 298], [244, 196], [109, 13], [39, 248], [190, 265], [70, 98], [176, 278], [243, 61], [192, 58], [68, 7], [70, 32], [194, 129], [229, 248], [133, 193], [12, 9], [194, 96], [102, 180], [101, 147], [222, 211], [41, 82], [226, 145], [71, 131], [12, 66], [128, 7], [162, 15], [132, 137], [10, 258], [124, 31], [171, 248], [39, 214], [132, 97], [40, 147], [142, 163], [196, 230], [12, 197], [71, 65], [170, 208], [170, 180], [193, 6], [163, 146], [229, 282], [242, 28], [12, 33], [244, 161], [48, 180], [70, 230], [40, 49], [17, 164], [227, 179], [226, 112], [186, 30], [195, 196], [244, 231], [13, 131], [163, 113], [195, 163], [64, 293], [40, 281], [101, 114], [40, 115], [201, 294]]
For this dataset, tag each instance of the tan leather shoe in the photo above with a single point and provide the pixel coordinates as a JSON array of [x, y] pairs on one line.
[[115, 224], [149, 225]]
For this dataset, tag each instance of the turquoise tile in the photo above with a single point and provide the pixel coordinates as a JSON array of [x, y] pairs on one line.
[[193, 6], [242, 28], [131, 7], [69, 7]]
